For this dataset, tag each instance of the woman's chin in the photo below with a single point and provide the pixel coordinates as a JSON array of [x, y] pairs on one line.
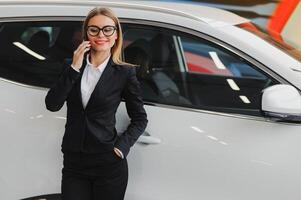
[[100, 49]]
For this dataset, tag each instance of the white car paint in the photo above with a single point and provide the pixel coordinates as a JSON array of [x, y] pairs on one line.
[[198, 155]]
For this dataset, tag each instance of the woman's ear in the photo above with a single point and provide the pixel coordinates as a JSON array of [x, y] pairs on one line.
[[115, 35]]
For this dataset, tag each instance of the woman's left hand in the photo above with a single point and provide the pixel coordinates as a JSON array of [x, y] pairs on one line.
[[117, 152]]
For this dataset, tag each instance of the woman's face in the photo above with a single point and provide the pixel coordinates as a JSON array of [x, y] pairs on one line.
[[101, 42]]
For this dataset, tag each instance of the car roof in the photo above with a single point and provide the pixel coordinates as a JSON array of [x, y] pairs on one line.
[[208, 15], [205, 14]]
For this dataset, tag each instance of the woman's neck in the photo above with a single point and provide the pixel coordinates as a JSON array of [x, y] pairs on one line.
[[98, 57]]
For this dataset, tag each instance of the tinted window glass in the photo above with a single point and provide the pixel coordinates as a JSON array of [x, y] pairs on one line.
[[184, 70], [33, 52]]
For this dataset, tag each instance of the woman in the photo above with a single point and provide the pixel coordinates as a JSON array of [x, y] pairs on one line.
[[95, 165]]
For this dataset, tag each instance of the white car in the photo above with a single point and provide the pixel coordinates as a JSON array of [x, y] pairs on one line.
[[222, 100]]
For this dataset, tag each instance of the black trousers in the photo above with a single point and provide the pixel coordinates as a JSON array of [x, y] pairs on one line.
[[101, 176]]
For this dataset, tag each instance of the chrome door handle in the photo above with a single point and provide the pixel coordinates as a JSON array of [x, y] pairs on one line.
[[146, 138]]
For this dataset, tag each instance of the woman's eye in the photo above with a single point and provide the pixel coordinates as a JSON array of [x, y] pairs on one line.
[[94, 30], [108, 30]]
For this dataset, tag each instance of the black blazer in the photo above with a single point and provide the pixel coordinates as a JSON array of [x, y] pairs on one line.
[[92, 130]]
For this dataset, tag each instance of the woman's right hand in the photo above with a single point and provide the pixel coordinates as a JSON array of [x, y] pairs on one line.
[[78, 54]]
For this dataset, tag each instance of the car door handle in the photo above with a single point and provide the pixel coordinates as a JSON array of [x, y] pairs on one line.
[[146, 138]]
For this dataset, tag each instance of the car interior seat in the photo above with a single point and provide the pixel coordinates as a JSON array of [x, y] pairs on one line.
[[137, 53], [162, 67], [39, 42], [65, 43]]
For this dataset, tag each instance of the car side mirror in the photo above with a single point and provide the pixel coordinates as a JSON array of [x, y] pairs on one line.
[[282, 103]]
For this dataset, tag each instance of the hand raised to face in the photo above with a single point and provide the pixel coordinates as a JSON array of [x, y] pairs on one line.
[[78, 54]]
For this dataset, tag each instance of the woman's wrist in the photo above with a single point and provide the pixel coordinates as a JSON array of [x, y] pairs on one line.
[[76, 69]]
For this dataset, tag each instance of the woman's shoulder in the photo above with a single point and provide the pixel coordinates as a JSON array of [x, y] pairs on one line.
[[126, 68]]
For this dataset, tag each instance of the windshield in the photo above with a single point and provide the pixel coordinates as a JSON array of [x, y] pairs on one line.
[[274, 39]]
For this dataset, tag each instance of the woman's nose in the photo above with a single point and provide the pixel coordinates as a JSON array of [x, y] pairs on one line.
[[100, 34]]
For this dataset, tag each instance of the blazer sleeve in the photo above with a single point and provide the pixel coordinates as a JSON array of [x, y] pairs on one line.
[[136, 112], [58, 94]]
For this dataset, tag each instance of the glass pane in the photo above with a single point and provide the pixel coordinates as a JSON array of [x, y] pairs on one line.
[[33, 52], [184, 70], [205, 58], [154, 51], [220, 80]]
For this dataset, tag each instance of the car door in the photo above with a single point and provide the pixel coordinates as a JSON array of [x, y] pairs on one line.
[[206, 137], [32, 52]]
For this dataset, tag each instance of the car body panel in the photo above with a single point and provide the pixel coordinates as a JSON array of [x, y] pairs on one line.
[[197, 160], [30, 143]]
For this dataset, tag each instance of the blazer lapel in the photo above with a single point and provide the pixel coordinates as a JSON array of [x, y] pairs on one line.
[[102, 82], [80, 81]]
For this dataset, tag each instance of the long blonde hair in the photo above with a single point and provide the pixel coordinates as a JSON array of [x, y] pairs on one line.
[[117, 48]]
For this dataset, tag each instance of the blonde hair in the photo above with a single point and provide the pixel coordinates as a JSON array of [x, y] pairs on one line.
[[117, 48]]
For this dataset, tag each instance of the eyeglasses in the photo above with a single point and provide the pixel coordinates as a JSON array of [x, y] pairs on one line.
[[106, 30]]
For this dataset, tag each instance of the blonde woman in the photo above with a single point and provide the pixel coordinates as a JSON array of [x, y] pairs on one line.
[[95, 165]]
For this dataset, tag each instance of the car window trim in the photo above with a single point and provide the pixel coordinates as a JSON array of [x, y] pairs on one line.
[[222, 114]]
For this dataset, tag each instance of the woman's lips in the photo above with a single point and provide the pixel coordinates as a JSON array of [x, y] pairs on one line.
[[100, 42]]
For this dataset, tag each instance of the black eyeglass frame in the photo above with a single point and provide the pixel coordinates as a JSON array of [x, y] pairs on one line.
[[101, 29]]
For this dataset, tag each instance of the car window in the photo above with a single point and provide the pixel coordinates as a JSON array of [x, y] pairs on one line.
[[183, 70], [33, 52]]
